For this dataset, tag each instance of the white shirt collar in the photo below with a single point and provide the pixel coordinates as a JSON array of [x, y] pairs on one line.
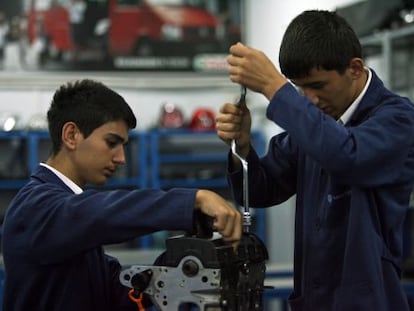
[[348, 113], [75, 188]]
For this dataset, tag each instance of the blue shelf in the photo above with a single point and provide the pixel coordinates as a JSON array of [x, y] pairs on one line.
[[11, 184], [194, 183], [36, 141], [186, 158]]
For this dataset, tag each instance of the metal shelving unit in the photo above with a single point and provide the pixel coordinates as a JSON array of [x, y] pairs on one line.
[[395, 49]]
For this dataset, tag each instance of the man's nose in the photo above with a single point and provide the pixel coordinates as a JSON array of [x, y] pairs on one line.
[[119, 156], [310, 94]]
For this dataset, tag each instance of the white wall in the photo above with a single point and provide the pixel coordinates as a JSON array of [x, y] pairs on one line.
[[28, 94]]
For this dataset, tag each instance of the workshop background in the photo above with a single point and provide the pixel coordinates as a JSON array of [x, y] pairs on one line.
[[175, 95]]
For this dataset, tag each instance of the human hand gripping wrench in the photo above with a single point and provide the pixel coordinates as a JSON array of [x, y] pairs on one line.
[[247, 221]]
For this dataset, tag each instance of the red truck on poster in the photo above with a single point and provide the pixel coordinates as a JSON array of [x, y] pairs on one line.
[[129, 27]]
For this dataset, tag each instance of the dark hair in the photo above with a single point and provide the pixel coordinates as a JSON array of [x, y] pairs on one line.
[[89, 104], [317, 39]]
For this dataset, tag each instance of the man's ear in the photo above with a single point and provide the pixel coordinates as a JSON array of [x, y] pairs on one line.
[[70, 135], [357, 67]]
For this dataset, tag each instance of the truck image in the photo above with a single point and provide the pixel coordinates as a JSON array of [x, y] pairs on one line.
[[108, 29]]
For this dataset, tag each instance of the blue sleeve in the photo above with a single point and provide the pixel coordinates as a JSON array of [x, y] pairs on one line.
[[70, 224], [376, 150]]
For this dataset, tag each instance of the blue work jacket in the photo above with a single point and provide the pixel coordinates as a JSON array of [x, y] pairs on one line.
[[52, 242], [352, 186]]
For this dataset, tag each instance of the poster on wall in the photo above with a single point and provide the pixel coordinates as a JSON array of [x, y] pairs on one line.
[[120, 35]]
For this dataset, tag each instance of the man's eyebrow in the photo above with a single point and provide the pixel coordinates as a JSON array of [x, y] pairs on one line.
[[310, 84], [118, 138]]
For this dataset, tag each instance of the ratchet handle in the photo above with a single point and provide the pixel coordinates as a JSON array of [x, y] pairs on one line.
[[242, 98]]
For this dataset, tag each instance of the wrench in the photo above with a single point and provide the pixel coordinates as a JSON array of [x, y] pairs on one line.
[[246, 212]]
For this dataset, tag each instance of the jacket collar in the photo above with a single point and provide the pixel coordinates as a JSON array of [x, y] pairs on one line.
[[45, 175], [369, 101]]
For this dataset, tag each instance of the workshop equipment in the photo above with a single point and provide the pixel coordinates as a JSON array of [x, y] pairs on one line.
[[203, 270], [205, 273], [203, 119]]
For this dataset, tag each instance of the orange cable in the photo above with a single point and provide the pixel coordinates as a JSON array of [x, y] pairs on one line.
[[137, 300]]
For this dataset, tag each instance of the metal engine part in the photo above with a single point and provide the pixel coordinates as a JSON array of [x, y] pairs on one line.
[[206, 273]]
